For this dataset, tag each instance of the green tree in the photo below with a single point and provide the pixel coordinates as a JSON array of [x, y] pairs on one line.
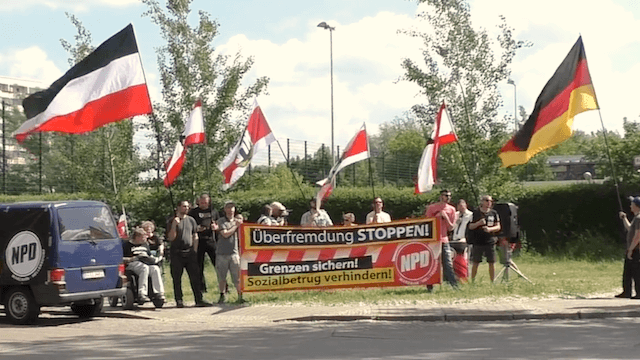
[[461, 67], [622, 151], [189, 69]]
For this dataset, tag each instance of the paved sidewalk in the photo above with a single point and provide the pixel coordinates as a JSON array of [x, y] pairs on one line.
[[509, 309]]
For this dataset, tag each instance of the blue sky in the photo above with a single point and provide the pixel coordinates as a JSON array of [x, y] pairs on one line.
[[290, 49]]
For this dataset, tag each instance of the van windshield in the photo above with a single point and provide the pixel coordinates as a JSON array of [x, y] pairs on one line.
[[86, 223]]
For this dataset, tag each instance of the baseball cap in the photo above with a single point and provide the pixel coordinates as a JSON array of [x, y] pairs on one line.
[[229, 202], [635, 200], [278, 206]]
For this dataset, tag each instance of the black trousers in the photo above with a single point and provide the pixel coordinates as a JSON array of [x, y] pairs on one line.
[[205, 247], [180, 261], [631, 272]]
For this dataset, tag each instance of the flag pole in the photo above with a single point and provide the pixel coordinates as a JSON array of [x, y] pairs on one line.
[[373, 187], [160, 156], [464, 162], [606, 143], [464, 106], [290, 169]]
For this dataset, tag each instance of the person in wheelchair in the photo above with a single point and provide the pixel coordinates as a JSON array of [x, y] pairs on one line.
[[138, 259]]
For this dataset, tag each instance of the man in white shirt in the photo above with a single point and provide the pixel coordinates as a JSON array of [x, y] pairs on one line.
[[377, 216]]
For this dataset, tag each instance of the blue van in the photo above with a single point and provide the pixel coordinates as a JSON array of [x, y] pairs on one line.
[[57, 254]]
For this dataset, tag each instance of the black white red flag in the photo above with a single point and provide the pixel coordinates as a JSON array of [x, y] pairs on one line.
[[106, 86], [442, 134], [356, 150], [256, 137], [194, 129], [174, 164]]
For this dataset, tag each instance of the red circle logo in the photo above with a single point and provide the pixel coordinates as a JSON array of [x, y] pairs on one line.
[[415, 262]]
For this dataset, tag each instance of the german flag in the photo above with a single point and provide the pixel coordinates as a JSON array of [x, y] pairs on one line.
[[568, 93]]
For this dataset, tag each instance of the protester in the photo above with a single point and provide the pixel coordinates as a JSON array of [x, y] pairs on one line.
[[349, 219], [265, 216], [631, 270], [485, 226], [228, 256], [463, 218], [445, 214], [459, 241], [315, 216], [183, 236], [206, 218], [377, 216], [139, 260], [279, 214], [156, 243]]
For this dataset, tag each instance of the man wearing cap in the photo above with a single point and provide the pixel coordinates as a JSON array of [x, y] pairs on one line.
[[227, 254], [279, 214], [631, 269]]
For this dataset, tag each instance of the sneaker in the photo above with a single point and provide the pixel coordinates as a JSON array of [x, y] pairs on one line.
[[623, 295], [179, 304], [143, 299], [203, 303], [222, 299]]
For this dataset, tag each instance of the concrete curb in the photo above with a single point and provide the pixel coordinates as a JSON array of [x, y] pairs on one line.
[[468, 317]]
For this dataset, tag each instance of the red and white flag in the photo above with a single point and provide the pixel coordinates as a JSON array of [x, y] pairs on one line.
[[122, 227], [442, 134], [356, 150], [194, 130], [106, 86], [175, 163], [256, 136]]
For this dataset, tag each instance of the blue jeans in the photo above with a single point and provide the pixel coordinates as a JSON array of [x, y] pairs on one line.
[[447, 265]]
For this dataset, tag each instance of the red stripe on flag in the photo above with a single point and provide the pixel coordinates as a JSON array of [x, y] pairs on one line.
[[560, 104], [358, 146], [257, 125], [110, 108], [196, 138]]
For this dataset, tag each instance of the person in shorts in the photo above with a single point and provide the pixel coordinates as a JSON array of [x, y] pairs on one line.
[[227, 254], [485, 225]]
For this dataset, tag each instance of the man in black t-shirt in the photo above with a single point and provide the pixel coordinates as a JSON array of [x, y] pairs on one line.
[[485, 225], [207, 219], [182, 233]]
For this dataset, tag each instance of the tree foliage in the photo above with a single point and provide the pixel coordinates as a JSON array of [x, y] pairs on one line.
[[190, 68], [462, 65]]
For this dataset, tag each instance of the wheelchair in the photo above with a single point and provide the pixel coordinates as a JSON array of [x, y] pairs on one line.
[[130, 298]]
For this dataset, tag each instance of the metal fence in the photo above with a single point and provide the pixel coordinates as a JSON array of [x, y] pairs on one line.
[[26, 171]]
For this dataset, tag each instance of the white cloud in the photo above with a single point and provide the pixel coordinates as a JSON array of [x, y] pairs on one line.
[[366, 56], [73, 5], [31, 63], [608, 31]]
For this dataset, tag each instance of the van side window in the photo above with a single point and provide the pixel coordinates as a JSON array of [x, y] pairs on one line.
[[86, 223]]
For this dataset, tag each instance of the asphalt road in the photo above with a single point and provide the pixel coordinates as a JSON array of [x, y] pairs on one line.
[[59, 335]]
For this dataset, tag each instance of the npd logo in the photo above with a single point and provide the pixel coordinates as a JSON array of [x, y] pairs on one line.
[[415, 263], [24, 255]]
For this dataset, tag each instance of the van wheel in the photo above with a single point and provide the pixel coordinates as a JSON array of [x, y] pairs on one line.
[[128, 299], [87, 311], [21, 307]]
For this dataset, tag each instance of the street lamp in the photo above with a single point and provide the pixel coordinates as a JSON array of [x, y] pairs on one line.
[[327, 27], [515, 104]]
